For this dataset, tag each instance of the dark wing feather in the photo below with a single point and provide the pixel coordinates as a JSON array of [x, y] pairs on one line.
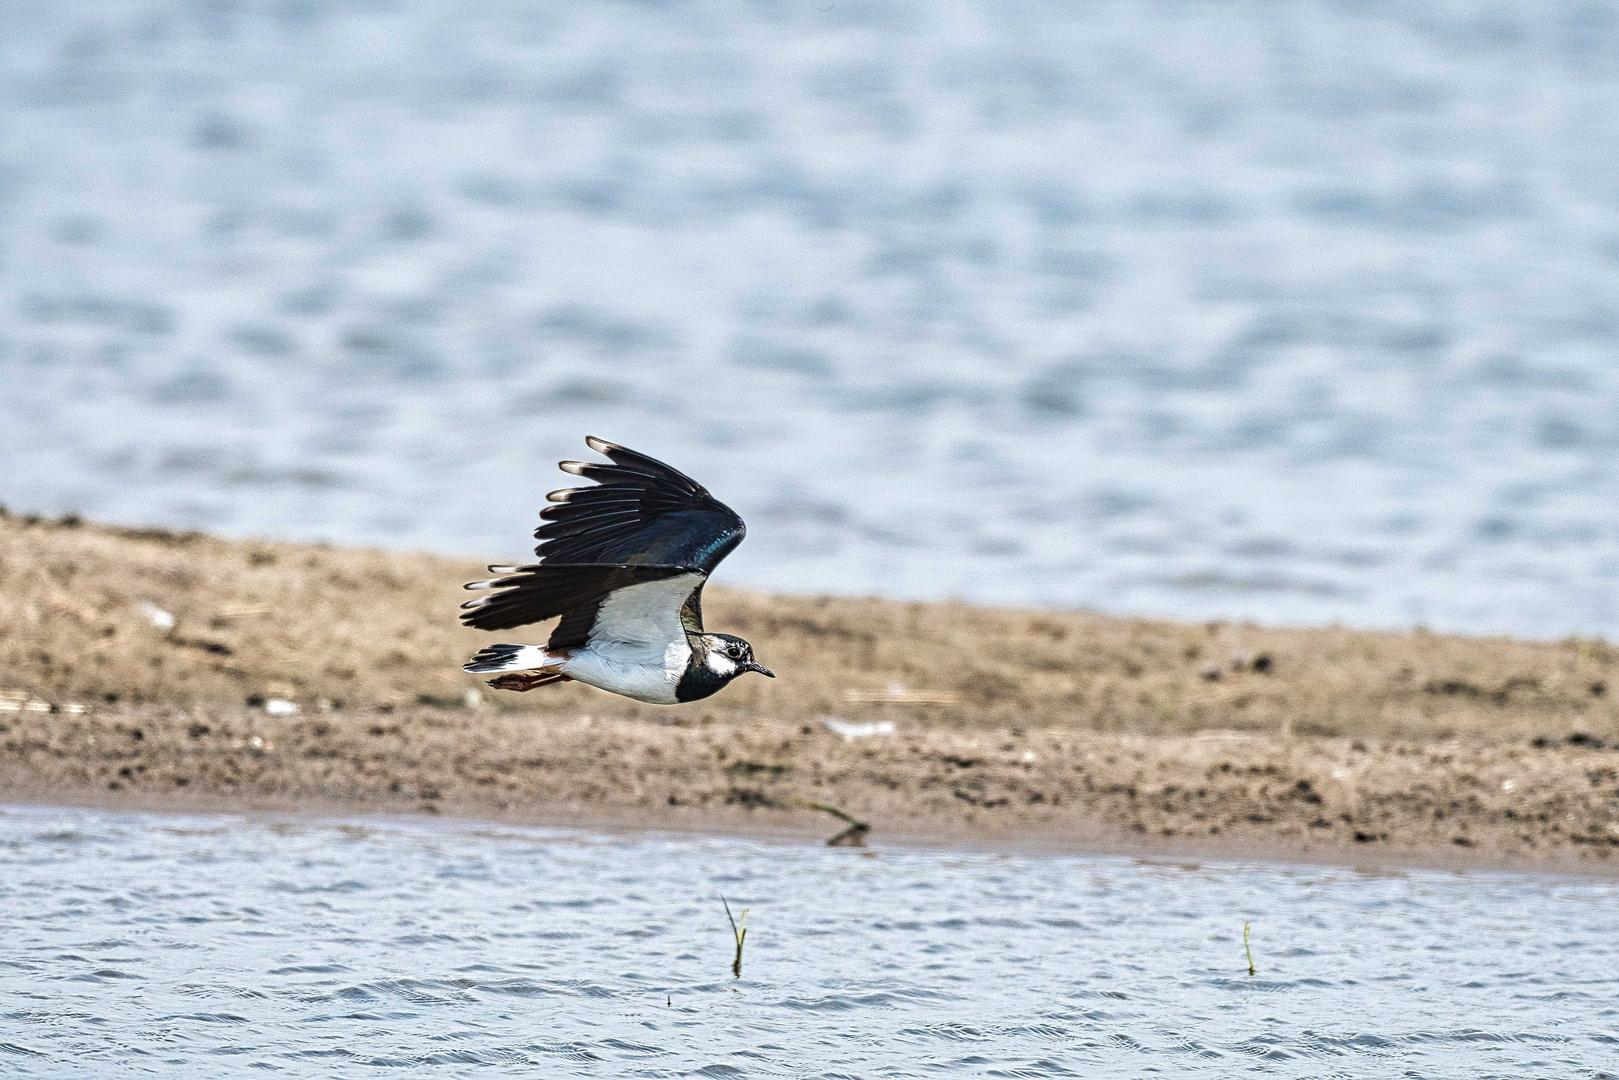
[[640, 512], [642, 522], [691, 612], [536, 593]]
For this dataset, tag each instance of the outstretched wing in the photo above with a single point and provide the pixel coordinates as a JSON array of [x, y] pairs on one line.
[[640, 512], [618, 558], [577, 592]]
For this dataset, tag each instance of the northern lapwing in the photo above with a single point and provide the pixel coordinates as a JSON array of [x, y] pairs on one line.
[[623, 563]]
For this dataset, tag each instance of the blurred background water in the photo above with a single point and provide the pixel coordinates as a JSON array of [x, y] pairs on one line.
[[211, 945], [1300, 311]]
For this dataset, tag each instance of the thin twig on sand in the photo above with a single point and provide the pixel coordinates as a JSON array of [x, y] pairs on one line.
[[853, 836]]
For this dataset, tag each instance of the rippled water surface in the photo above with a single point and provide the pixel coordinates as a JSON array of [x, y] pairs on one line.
[[1302, 311], [212, 945]]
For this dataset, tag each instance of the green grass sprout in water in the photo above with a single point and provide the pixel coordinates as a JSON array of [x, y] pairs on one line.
[[739, 930]]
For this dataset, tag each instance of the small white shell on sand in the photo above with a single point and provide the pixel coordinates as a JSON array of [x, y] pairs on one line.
[[856, 731], [280, 707]]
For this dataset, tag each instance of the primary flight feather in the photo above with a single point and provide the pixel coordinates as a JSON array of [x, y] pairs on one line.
[[622, 564]]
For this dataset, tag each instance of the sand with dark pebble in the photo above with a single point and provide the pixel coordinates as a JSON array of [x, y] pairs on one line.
[[149, 668]]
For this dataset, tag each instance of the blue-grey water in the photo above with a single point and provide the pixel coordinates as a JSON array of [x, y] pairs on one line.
[[204, 945], [1300, 310]]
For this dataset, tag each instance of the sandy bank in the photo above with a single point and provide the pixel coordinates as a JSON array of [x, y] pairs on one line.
[[1298, 796], [1070, 727]]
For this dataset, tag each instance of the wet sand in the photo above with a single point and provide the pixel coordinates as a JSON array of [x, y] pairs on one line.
[[1067, 729]]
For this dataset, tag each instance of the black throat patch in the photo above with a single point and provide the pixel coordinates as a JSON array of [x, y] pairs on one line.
[[700, 680]]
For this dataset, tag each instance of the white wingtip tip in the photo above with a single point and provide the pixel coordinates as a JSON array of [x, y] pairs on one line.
[[601, 446], [575, 468]]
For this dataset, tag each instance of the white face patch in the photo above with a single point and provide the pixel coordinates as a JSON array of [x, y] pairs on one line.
[[720, 664]]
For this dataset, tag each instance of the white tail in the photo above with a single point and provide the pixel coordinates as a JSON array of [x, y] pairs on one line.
[[509, 658]]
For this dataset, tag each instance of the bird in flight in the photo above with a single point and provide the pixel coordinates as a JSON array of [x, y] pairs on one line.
[[623, 563]]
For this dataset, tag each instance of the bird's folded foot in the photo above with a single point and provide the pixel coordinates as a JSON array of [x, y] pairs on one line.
[[526, 680]]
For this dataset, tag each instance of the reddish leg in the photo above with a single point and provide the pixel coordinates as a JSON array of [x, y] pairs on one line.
[[526, 680]]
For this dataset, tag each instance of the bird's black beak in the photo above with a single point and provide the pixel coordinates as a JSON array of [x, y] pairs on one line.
[[754, 665]]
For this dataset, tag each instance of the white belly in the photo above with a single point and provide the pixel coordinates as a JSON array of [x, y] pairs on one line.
[[632, 670]]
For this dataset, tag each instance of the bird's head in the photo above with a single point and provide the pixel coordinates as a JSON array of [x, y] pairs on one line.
[[729, 656]]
